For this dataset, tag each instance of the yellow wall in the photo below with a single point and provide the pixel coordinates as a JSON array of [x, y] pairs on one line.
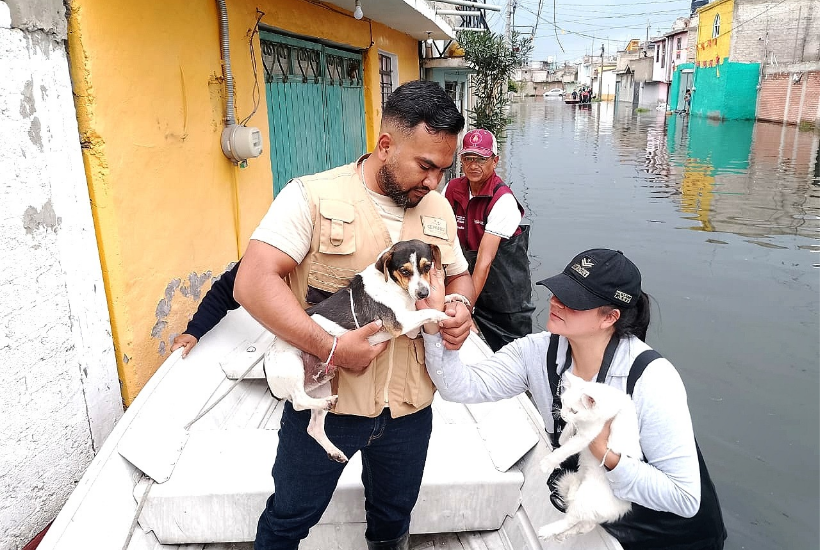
[[171, 211], [706, 50]]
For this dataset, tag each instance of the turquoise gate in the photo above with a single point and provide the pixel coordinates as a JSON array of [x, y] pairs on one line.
[[315, 106]]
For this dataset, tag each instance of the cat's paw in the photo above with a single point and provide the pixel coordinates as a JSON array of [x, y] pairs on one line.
[[549, 464], [551, 531]]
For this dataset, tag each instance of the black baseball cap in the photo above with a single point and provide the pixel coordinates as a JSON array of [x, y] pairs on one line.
[[595, 278]]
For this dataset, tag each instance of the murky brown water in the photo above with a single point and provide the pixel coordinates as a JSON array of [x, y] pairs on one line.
[[723, 220]]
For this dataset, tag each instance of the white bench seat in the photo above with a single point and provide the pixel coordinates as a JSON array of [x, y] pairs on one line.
[[223, 478]]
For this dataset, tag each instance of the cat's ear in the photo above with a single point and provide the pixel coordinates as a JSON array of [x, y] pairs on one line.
[[588, 401]]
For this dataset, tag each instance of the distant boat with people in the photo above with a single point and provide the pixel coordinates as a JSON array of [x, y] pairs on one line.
[[579, 96]]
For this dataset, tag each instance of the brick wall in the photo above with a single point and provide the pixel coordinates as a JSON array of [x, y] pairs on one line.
[[788, 32], [781, 99]]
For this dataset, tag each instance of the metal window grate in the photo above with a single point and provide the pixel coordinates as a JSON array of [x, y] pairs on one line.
[[386, 76]]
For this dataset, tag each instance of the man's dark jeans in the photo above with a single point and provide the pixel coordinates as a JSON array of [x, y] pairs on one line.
[[393, 454]]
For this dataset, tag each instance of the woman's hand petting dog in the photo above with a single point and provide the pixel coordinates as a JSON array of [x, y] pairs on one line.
[[354, 352], [436, 298], [454, 330]]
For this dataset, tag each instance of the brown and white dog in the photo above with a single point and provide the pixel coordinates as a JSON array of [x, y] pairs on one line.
[[388, 290]]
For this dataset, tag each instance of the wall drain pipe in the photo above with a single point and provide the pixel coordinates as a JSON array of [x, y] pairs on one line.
[[239, 142], [230, 115]]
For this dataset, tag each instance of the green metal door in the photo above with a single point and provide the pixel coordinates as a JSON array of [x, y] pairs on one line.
[[315, 106]]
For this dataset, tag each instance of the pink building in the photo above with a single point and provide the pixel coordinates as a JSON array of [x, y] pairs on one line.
[[670, 51]]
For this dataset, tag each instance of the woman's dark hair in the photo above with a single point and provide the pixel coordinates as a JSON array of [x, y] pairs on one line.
[[634, 320], [422, 101]]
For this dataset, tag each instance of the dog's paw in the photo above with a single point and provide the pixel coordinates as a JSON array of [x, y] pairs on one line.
[[548, 464], [438, 316], [330, 402], [337, 455]]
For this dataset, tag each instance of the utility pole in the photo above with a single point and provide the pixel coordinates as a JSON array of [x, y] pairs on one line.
[[508, 27], [646, 44], [601, 76]]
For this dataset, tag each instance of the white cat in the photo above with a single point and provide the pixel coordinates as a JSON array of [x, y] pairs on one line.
[[586, 407]]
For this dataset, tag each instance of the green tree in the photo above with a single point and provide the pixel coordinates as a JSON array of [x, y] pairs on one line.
[[494, 59]]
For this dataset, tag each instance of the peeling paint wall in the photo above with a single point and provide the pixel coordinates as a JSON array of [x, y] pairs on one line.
[[59, 393]]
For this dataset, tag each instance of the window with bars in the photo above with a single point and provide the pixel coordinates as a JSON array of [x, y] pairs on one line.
[[679, 43], [385, 76], [716, 27]]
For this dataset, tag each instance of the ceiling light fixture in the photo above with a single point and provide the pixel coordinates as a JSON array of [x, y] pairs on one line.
[[358, 13]]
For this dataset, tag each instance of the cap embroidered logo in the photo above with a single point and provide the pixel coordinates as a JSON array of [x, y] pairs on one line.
[[623, 296]]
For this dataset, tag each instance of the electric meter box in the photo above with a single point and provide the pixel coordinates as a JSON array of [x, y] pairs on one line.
[[241, 142]]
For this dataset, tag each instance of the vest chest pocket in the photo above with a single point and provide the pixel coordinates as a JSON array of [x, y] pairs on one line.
[[336, 235]]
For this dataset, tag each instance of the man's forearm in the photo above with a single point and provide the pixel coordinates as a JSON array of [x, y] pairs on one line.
[[480, 273], [269, 300]]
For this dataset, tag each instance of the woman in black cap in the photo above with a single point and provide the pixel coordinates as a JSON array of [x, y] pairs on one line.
[[597, 324]]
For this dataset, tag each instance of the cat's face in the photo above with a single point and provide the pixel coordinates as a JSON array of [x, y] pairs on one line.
[[585, 402]]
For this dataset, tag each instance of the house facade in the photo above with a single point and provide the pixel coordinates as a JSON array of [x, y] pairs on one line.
[[754, 59], [670, 51], [722, 88], [633, 71]]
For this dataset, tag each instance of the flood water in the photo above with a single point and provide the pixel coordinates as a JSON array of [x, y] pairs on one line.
[[723, 219]]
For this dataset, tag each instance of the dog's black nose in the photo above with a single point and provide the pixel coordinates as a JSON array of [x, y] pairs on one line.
[[423, 293]]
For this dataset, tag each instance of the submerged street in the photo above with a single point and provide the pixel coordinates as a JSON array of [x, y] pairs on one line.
[[724, 221]]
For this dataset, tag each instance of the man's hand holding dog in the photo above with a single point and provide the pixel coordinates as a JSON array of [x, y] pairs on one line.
[[354, 352]]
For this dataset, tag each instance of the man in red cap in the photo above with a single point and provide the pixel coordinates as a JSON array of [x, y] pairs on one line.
[[488, 218]]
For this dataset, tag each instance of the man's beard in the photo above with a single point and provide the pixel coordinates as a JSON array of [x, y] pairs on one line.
[[386, 177]]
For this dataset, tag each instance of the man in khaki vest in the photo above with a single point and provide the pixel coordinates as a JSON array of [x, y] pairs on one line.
[[318, 233]]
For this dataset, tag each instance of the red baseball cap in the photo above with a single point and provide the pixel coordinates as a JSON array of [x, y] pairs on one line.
[[479, 142]]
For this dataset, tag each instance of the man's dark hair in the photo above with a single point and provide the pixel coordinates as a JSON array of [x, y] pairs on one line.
[[422, 101]]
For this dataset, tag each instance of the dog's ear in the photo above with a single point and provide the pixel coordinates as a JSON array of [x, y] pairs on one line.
[[383, 264], [436, 255]]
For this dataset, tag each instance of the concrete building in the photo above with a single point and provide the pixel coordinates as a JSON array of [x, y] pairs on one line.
[[670, 51], [584, 70], [633, 70], [59, 393], [540, 76], [754, 58], [603, 81], [785, 40]]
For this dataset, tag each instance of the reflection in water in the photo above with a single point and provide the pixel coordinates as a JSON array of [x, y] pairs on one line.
[[742, 177], [723, 220]]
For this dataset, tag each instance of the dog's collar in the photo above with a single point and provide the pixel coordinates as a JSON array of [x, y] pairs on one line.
[[352, 308]]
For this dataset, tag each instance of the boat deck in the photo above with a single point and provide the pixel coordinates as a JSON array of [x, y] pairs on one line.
[[188, 466]]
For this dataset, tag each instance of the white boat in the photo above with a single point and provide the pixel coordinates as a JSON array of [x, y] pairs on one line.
[[162, 482]]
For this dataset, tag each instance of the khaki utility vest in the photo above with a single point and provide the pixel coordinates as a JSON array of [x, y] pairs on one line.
[[348, 235]]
